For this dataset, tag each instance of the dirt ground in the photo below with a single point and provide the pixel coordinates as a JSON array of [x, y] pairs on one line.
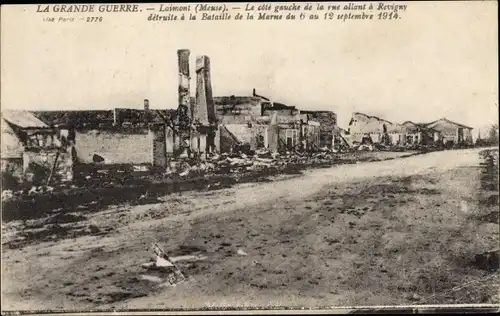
[[405, 231]]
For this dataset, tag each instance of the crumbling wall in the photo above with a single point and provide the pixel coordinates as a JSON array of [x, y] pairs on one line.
[[170, 140], [468, 136], [327, 119], [257, 135], [198, 142], [396, 139], [238, 106], [42, 140], [226, 139], [313, 137], [115, 147], [362, 125], [242, 132], [273, 137], [12, 172], [217, 139], [11, 146], [285, 132], [37, 166], [158, 134]]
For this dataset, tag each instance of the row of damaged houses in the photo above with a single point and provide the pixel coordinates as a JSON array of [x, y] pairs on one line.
[[263, 124], [48, 144], [56, 141], [45, 146], [367, 129]]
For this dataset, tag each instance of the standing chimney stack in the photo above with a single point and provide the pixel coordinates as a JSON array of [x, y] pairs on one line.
[[184, 115], [205, 109], [146, 111]]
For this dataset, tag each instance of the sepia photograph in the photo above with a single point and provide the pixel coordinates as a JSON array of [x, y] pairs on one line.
[[335, 157]]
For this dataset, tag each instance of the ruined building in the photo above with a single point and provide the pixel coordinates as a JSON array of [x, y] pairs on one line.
[[365, 128], [113, 137], [33, 152], [413, 133], [261, 123], [330, 135], [196, 121], [450, 132]]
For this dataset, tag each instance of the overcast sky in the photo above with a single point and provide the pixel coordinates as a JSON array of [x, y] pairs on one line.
[[438, 60]]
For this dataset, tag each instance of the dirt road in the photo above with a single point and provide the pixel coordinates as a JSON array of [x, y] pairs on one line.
[[392, 232]]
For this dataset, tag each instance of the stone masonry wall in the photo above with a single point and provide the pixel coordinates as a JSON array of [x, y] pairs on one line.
[[114, 147]]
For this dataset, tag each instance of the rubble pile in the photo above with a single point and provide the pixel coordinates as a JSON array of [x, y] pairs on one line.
[[209, 172], [235, 164], [239, 163], [167, 271], [33, 191]]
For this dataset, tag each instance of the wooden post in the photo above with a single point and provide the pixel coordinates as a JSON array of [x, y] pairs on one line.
[[53, 169]]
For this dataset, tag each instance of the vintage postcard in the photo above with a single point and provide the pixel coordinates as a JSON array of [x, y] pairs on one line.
[[327, 157]]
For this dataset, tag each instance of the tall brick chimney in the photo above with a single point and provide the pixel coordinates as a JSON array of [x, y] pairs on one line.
[[146, 111]]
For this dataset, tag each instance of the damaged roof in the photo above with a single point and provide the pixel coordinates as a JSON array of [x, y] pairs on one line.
[[360, 115], [95, 118], [23, 119], [373, 124], [76, 118], [409, 126], [445, 120], [327, 119], [11, 145], [235, 100]]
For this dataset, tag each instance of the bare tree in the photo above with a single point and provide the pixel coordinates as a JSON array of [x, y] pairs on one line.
[[493, 135]]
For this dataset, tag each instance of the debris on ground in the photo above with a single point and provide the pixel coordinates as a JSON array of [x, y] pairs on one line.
[[170, 274], [215, 171], [241, 252]]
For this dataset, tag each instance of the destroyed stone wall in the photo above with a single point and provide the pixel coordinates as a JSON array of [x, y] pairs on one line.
[[198, 142], [159, 145], [37, 166], [273, 137], [242, 132], [287, 114], [249, 133], [396, 139], [236, 119], [313, 137], [238, 106], [11, 146], [115, 147], [362, 125], [42, 140], [12, 172], [217, 139], [171, 140], [256, 135], [226, 140], [288, 137], [327, 119]]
